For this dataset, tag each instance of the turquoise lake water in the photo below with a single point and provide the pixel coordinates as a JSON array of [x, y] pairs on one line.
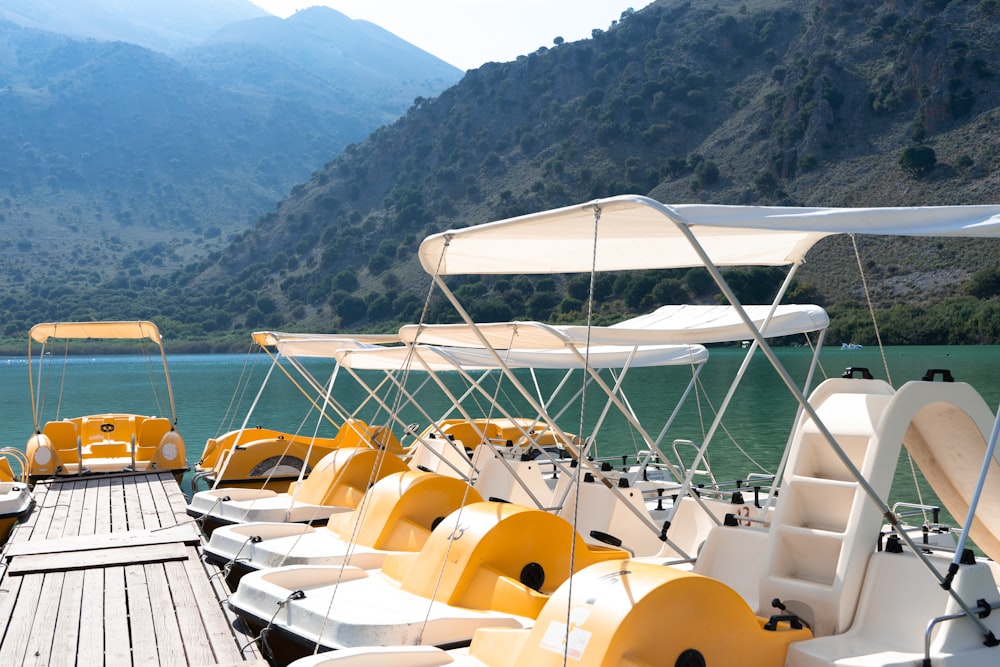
[[213, 394]]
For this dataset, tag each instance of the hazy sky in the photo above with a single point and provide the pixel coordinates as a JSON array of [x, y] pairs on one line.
[[468, 33]]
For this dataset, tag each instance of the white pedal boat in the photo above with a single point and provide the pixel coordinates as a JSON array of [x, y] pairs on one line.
[[488, 564], [396, 515], [336, 484]]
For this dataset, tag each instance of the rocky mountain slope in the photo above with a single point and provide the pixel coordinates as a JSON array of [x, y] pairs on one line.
[[847, 103]]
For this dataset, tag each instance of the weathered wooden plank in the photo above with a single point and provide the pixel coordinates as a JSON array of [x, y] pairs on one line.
[[117, 644], [144, 508], [188, 534], [10, 589], [170, 642], [141, 630], [190, 625], [88, 508], [67, 518], [133, 508], [22, 619], [47, 497], [119, 513], [147, 505], [60, 508], [208, 594], [77, 560], [66, 638], [91, 647], [165, 492], [178, 503], [73, 502], [40, 634], [103, 518]]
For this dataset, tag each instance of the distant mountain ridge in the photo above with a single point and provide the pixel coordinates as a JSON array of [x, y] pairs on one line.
[[155, 24], [136, 161], [360, 60]]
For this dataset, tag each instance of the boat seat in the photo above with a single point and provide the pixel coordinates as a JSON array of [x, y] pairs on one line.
[[496, 481], [620, 513], [470, 433], [93, 429], [735, 555], [151, 432], [357, 433], [898, 599], [63, 436], [691, 524], [343, 476], [445, 456]]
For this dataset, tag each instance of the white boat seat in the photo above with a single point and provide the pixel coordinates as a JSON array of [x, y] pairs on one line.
[[899, 597], [735, 555]]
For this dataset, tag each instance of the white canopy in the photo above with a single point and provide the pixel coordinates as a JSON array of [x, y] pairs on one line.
[[634, 232], [668, 325], [323, 346], [435, 358], [129, 330]]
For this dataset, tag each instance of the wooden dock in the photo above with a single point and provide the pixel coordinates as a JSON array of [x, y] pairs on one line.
[[108, 571]]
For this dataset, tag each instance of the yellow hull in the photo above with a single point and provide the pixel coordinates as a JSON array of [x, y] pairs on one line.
[[256, 458]]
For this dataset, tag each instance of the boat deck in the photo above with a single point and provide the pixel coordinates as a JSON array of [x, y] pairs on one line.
[[109, 571]]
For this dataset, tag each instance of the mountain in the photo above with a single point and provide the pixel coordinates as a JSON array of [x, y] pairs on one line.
[[135, 162], [155, 24], [844, 103], [368, 67]]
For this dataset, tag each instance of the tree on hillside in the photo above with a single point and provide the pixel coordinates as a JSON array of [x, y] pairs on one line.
[[918, 159]]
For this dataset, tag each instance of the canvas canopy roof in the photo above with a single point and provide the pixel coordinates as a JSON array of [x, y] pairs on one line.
[[667, 325], [436, 358], [128, 330], [635, 232], [319, 345]]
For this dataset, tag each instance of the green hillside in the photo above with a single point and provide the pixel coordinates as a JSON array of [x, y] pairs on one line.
[[843, 103]]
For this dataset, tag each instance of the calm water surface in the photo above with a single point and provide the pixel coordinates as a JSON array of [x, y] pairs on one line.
[[214, 393]]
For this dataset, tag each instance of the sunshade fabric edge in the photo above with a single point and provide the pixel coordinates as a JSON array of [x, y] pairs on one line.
[[133, 330], [636, 232], [439, 358]]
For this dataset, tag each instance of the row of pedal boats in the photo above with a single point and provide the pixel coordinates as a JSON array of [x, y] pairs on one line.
[[426, 562], [499, 540]]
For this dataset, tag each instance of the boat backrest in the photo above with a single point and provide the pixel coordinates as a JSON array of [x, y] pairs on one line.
[[618, 512], [351, 433], [693, 520], [401, 510], [152, 430], [898, 599], [431, 451], [734, 555], [469, 433], [342, 477], [114, 427], [63, 436], [512, 478], [357, 433], [496, 556]]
